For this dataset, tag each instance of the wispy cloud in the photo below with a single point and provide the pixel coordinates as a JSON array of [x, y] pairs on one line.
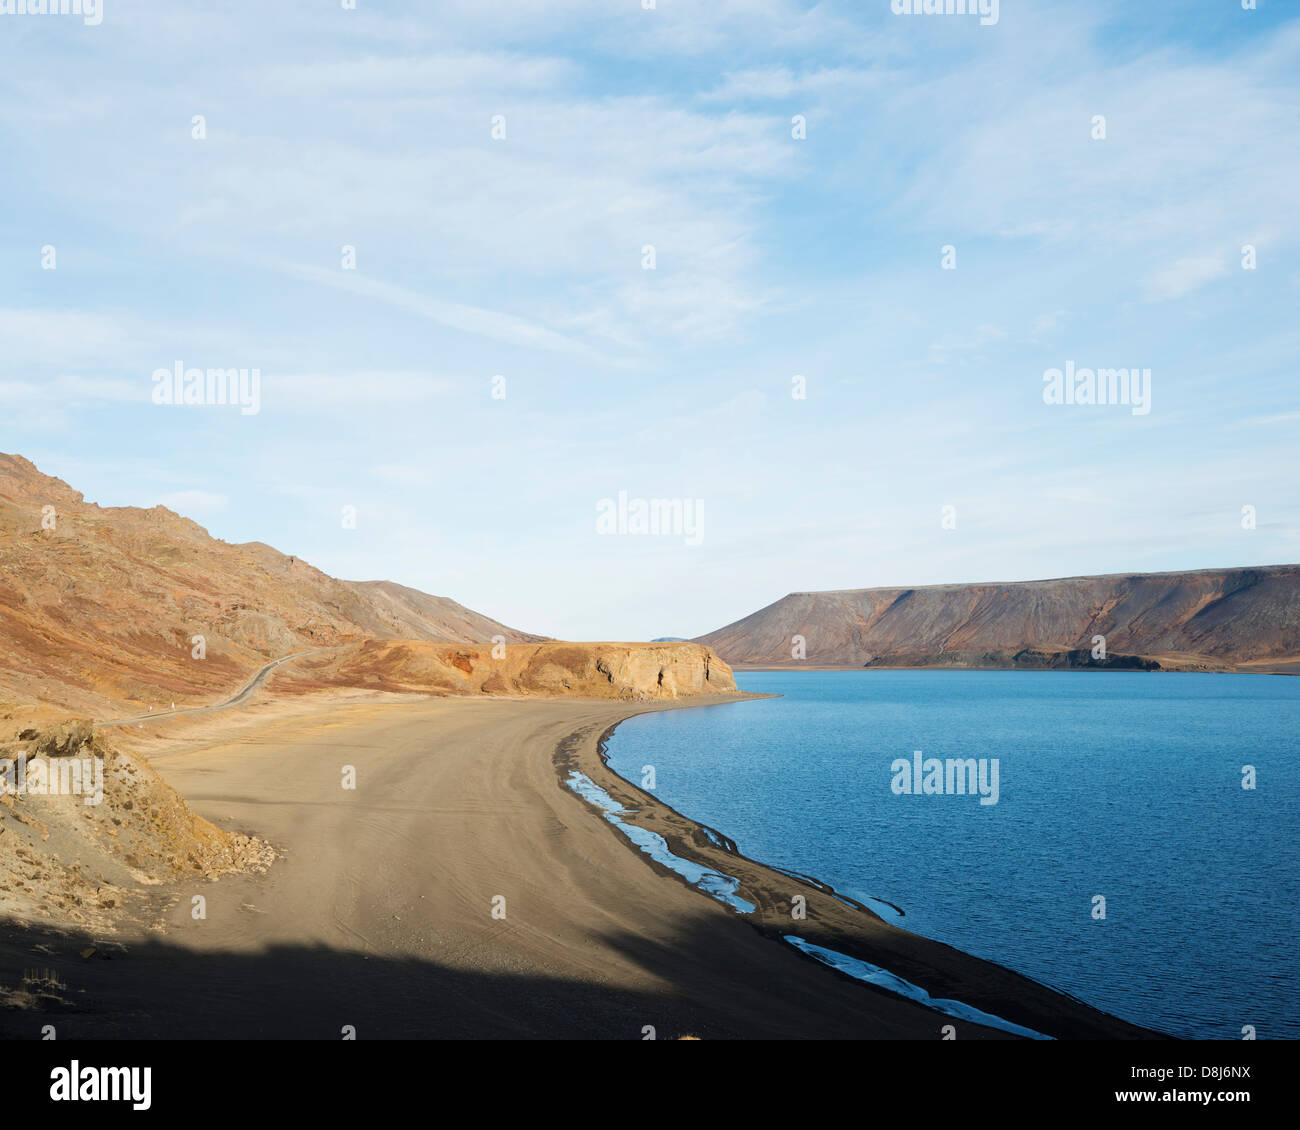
[[628, 128], [1185, 276], [454, 315]]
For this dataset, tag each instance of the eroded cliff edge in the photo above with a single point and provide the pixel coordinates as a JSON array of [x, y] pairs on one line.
[[633, 672]]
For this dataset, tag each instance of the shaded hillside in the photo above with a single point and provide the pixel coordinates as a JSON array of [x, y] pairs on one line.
[[102, 609], [1202, 619]]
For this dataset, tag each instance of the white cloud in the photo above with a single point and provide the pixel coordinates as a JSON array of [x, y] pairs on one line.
[[781, 83], [69, 390], [39, 335], [454, 315], [307, 392], [1185, 276], [440, 73]]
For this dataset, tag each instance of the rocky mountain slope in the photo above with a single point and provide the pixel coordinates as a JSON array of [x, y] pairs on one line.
[[1206, 619], [100, 607]]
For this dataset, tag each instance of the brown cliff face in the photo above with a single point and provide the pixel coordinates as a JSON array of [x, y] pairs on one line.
[[1211, 619], [101, 610], [634, 672]]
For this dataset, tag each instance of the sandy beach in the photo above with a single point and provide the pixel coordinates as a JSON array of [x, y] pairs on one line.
[[379, 911]]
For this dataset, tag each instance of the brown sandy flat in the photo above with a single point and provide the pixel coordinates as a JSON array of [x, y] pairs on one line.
[[379, 912]]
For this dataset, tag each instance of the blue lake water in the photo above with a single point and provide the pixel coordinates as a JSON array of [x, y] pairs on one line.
[[1123, 785]]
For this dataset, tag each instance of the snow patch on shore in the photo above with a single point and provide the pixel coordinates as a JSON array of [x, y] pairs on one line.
[[722, 887], [883, 979]]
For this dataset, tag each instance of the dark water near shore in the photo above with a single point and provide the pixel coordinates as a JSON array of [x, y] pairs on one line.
[[1123, 785]]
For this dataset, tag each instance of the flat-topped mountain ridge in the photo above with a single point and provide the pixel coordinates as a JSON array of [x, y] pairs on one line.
[[1244, 618]]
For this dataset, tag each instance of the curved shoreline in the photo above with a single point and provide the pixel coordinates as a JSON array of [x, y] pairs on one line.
[[464, 802], [834, 921], [733, 848]]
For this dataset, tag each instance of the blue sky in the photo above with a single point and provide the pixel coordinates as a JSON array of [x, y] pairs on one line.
[[775, 257]]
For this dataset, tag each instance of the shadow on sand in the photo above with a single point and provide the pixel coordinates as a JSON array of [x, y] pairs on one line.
[[155, 989]]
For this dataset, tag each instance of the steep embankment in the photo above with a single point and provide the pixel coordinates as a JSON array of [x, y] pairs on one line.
[[1203, 619], [100, 606], [629, 672], [87, 829]]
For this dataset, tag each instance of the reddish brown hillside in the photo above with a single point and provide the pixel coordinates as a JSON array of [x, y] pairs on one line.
[[98, 613], [1202, 619]]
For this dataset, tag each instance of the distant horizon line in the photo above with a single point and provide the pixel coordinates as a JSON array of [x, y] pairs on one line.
[[1282, 566]]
